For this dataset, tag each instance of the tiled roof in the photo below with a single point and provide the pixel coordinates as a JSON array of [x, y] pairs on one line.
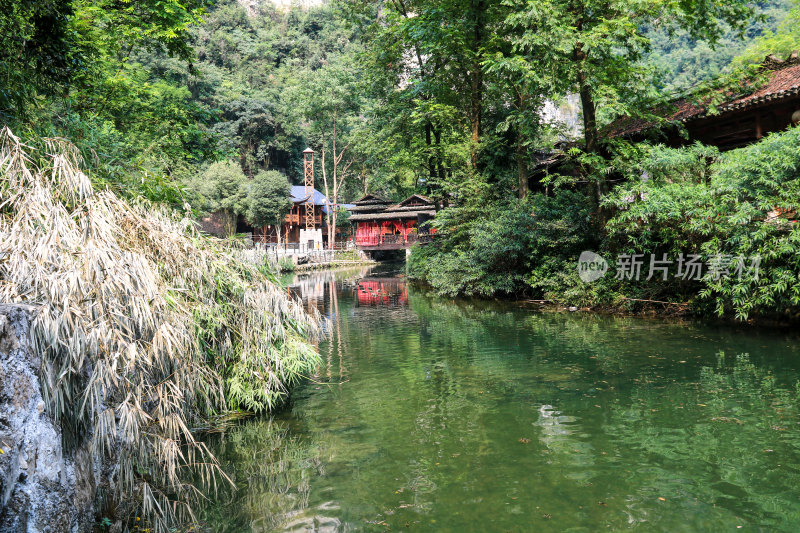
[[784, 81], [392, 215], [299, 195]]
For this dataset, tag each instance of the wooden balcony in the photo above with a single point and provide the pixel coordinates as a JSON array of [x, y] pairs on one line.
[[392, 242], [296, 219]]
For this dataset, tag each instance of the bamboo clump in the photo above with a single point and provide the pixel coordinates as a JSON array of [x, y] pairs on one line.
[[145, 327]]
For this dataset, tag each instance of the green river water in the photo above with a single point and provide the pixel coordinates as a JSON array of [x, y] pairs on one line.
[[437, 415]]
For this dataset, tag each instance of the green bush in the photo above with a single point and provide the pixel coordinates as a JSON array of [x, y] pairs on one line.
[[525, 247], [723, 207], [734, 208]]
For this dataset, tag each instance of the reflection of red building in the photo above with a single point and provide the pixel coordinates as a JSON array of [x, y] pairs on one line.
[[387, 292], [382, 226]]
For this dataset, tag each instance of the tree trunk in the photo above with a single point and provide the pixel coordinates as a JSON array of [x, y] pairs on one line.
[[336, 160], [476, 90], [327, 192], [591, 135], [522, 170], [431, 151], [585, 90], [521, 152]]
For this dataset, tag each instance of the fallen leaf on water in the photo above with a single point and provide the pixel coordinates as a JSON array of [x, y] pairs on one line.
[[727, 419], [524, 440], [662, 499]]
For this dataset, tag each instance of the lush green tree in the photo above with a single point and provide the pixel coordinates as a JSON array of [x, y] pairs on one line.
[[222, 189], [330, 100], [426, 67], [268, 198], [35, 49], [595, 49]]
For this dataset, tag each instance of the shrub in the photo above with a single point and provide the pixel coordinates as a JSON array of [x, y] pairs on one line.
[[528, 246], [739, 204]]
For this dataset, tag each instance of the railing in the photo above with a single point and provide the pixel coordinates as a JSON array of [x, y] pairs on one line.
[[350, 255], [394, 239], [425, 238], [267, 242], [298, 219]]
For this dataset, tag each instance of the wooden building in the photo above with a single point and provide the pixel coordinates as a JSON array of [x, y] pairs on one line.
[[381, 225], [741, 120], [294, 221]]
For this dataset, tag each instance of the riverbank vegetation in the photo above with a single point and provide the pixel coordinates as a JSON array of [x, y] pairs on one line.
[[610, 194], [698, 202], [145, 328]]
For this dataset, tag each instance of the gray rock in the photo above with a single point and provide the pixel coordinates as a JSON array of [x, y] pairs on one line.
[[43, 488]]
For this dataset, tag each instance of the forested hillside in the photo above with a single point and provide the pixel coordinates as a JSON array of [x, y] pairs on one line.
[[257, 83], [685, 62]]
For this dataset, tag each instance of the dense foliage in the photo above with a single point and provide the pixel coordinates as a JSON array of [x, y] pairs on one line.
[[527, 245], [733, 206], [736, 211]]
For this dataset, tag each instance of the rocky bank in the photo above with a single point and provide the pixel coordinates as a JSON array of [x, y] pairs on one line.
[[43, 486]]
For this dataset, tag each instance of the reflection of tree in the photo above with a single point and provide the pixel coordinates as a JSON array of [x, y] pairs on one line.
[[271, 470], [728, 442], [476, 409]]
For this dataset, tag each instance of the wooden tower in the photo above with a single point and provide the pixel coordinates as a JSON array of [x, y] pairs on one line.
[[308, 160]]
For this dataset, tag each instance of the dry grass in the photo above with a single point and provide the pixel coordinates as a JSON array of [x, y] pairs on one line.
[[145, 327]]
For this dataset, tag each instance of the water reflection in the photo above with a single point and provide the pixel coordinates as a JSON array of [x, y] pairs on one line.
[[437, 415]]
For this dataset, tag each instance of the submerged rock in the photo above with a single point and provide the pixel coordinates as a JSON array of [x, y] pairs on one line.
[[42, 486]]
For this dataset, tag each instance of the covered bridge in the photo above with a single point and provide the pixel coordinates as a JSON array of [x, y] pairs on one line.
[[381, 225]]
